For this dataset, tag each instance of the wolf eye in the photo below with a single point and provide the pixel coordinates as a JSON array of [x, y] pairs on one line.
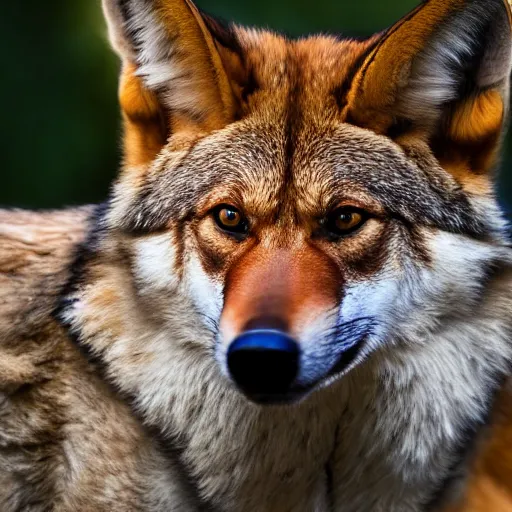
[[344, 221], [229, 219]]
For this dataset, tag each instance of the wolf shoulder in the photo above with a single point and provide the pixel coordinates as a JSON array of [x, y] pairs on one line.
[[36, 251]]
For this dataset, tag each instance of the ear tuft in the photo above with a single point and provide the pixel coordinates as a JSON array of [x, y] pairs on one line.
[[158, 61], [472, 44], [477, 119], [116, 15]]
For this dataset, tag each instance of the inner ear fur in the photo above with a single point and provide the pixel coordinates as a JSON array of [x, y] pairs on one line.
[[441, 74], [181, 73]]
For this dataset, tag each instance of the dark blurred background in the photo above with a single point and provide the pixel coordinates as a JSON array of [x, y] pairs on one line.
[[60, 134]]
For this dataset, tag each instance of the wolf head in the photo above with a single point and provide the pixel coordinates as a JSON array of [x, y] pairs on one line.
[[288, 209]]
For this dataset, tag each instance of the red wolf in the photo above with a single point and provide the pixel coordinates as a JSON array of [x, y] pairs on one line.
[[298, 294]]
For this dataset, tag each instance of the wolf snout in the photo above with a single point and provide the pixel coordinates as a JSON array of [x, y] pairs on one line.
[[264, 363]]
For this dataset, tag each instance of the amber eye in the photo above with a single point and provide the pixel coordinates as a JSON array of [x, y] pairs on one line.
[[345, 220], [230, 219]]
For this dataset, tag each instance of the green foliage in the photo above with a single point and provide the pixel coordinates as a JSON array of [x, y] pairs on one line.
[[60, 130], [296, 17]]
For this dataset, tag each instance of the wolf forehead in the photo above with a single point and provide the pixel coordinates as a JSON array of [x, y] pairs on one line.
[[260, 164]]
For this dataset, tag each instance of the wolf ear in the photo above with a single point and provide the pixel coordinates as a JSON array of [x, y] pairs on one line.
[[442, 72], [177, 75]]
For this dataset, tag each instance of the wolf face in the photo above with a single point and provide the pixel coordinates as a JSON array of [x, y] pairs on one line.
[[289, 209]]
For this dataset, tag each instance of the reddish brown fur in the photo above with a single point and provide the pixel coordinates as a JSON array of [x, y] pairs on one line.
[[145, 126], [307, 101], [291, 286]]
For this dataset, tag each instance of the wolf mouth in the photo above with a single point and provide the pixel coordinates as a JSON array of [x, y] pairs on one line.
[[346, 359], [299, 392], [269, 367]]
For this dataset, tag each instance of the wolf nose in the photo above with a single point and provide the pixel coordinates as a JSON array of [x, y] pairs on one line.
[[264, 363]]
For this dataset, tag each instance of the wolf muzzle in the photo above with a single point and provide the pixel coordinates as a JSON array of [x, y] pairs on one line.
[[272, 295]]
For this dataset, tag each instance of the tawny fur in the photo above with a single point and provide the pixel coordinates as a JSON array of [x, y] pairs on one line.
[[115, 321]]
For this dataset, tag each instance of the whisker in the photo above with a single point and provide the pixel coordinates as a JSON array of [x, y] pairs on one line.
[[355, 328], [211, 323]]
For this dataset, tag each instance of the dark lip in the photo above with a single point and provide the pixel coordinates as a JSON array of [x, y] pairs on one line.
[[346, 359], [293, 396], [298, 393]]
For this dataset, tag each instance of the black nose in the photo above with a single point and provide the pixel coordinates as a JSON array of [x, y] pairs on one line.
[[263, 363]]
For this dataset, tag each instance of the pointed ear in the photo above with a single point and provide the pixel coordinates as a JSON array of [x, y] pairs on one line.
[[177, 75], [442, 72]]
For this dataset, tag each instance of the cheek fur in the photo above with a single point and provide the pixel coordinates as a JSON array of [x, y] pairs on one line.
[[384, 297], [204, 289], [155, 261], [412, 296], [373, 299], [159, 276], [454, 279]]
